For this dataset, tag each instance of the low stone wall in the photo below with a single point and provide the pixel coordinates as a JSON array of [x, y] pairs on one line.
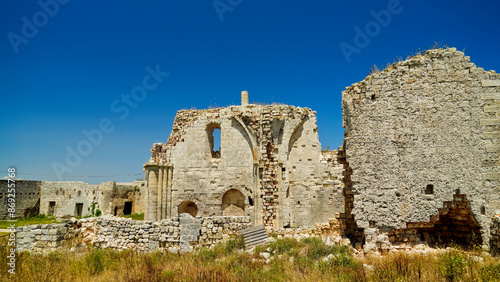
[[45, 237], [175, 234]]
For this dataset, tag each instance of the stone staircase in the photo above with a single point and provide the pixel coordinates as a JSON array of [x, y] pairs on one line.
[[254, 235]]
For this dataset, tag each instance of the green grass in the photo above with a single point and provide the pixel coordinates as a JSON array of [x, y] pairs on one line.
[[39, 219], [135, 216]]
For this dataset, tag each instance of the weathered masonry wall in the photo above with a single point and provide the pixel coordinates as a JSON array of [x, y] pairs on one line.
[[417, 133], [73, 198], [175, 234], [44, 237], [27, 195], [61, 198], [269, 167]]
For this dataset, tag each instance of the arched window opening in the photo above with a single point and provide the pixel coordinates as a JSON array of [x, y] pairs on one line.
[[214, 139], [188, 207], [233, 203]]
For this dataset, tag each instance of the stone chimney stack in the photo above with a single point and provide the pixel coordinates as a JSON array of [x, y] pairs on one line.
[[244, 98]]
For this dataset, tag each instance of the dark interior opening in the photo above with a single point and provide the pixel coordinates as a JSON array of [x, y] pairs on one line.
[[78, 209], [52, 207], [127, 208], [429, 189], [455, 224]]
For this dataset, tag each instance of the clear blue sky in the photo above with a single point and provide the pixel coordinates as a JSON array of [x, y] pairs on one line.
[[83, 55]]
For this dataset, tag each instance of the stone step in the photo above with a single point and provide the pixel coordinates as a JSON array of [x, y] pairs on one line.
[[254, 235], [250, 230]]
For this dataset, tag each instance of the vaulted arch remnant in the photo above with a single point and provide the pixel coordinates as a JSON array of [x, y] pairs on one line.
[[233, 203], [188, 207]]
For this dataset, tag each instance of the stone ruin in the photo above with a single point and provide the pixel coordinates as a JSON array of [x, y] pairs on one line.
[[73, 198], [419, 165], [269, 167], [421, 152], [419, 162]]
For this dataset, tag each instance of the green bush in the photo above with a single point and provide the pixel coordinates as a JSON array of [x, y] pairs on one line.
[[237, 243], [284, 245], [95, 261]]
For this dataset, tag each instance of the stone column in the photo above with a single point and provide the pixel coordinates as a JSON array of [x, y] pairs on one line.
[[170, 172], [152, 197], [244, 98], [164, 192], [159, 193]]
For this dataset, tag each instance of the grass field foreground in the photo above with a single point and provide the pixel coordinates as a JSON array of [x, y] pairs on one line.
[[282, 260]]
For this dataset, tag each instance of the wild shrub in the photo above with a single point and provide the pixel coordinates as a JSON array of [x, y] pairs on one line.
[[95, 261], [490, 272], [452, 263]]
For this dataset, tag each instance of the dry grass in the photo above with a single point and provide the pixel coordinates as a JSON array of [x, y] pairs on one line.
[[448, 265], [291, 260]]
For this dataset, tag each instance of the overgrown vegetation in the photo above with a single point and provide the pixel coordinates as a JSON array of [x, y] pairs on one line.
[[287, 260], [94, 210], [419, 52]]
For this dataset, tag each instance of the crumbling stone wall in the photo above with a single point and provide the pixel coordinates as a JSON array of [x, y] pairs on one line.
[[115, 198], [27, 193], [108, 196], [270, 154], [175, 234], [44, 238], [66, 195], [417, 133]]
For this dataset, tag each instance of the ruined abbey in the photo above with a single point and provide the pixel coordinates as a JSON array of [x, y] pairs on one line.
[[419, 162], [419, 165]]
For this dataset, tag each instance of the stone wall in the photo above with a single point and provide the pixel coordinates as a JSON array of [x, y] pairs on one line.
[[175, 234], [110, 197], [61, 199], [269, 167], [44, 238], [417, 133], [27, 195]]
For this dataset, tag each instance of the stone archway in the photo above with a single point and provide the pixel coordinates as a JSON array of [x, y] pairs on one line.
[[188, 207], [233, 203]]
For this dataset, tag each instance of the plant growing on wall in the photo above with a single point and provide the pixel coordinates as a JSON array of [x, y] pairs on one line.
[[94, 210]]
